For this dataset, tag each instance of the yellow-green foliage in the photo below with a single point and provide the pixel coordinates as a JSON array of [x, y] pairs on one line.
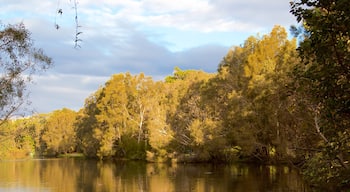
[[255, 108], [59, 134], [16, 140]]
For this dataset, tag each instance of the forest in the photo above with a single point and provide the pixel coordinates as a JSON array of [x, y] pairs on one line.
[[273, 99]]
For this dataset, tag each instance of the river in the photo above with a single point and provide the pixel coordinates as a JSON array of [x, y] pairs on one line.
[[81, 175]]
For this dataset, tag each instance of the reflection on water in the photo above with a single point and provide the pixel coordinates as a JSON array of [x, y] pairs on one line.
[[71, 175]]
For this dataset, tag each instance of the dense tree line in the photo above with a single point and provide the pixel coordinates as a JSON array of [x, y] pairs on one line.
[[255, 108], [271, 101]]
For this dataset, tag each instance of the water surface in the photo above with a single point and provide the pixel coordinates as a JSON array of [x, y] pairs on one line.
[[74, 175]]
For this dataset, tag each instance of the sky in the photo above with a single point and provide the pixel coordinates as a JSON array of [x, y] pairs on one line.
[[118, 36]]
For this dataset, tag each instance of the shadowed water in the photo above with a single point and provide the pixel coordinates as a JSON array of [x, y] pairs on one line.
[[74, 175]]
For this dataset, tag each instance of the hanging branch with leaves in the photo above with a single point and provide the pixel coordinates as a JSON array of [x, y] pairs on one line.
[[77, 26], [59, 12]]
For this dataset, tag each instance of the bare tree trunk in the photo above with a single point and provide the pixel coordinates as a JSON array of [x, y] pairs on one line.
[[318, 129], [142, 114]]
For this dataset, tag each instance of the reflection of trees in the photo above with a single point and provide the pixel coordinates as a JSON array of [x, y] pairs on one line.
[[61, 173], [160, 177], [236, 178], [39, 174], [263, 178], [17, 172], [120, 176], [72, 175]]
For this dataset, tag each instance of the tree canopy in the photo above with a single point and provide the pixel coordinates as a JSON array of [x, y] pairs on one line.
[[323, 77], [19, 60]]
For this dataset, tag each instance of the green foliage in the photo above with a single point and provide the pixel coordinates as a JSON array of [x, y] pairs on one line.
[[323, 78], [159, 132], [19, 60], [131, 148], [86, 121], [250, 97], [325, 173], [16, 140], [178, 74], [121, 109], [59, 135]]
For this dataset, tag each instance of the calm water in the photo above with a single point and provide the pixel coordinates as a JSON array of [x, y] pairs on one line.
[[71, 175]]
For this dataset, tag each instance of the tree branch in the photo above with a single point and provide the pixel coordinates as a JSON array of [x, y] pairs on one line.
[[316, 121]]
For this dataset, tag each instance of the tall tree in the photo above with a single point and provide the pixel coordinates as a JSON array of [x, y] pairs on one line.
[[268, 63], [250, 97], [190, 116], [325, 75], [86, 123], [112, 115], [19, 60], [118, 114]]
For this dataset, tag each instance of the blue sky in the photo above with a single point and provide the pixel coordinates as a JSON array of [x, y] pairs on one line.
[[150, 36]]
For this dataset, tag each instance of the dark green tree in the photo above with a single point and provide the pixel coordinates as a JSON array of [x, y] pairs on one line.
[[86, 122], [323, 78]]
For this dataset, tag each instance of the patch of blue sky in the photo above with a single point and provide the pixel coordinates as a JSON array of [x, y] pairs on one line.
[[14, 17]]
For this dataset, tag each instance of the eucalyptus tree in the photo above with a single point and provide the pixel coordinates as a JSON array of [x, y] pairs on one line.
[[189, 112], [118, 115], [269, 61], [85, 125], [249, 95], [19, 61], [159, 132], [111, 117]]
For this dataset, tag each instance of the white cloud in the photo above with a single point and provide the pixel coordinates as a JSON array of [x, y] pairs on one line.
[[150, 36], [191, 15], [56, 91], [264, 14]]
